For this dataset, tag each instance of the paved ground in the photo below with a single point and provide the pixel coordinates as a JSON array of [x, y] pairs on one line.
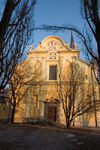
[[29, 137]]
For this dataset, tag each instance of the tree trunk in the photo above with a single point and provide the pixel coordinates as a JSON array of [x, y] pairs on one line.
[[67, 122], [12, 115]]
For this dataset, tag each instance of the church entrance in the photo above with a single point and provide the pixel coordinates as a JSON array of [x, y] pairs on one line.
[[51, 114], [51, 111]]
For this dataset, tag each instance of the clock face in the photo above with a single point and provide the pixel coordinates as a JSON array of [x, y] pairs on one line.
[[53, 45]]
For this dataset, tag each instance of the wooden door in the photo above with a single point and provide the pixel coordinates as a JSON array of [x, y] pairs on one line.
[[51, 114]]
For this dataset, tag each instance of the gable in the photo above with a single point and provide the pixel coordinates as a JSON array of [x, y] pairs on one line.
[[53, 44]]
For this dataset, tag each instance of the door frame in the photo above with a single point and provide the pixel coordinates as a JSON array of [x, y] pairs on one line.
[[51, 104]]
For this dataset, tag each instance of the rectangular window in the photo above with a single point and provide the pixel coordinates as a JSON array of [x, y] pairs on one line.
[[53, 72], [86, 76]]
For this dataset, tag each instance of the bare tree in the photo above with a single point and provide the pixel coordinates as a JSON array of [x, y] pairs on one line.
[[18, 86], [24, 77], [90, 11], [75, 95], [16, 28]]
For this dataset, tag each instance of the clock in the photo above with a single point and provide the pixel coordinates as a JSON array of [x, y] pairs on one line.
[[53, 45]]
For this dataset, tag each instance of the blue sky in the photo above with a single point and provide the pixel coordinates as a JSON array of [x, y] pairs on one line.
[[57, 12]]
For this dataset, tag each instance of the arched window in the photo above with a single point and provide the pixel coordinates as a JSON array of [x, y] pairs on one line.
[[34, 101]]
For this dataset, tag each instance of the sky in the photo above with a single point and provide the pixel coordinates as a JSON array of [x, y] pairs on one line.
[[57, 12]]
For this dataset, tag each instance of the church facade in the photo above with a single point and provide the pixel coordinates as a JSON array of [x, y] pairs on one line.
[[52, 80]]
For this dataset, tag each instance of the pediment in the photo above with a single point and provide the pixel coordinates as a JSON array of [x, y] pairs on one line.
[[51, 100], [52, 43]]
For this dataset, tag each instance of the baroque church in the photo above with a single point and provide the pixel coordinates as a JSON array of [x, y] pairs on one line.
[[55, 68]]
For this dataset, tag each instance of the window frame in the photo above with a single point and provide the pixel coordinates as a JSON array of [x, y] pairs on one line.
[[50, 78]]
